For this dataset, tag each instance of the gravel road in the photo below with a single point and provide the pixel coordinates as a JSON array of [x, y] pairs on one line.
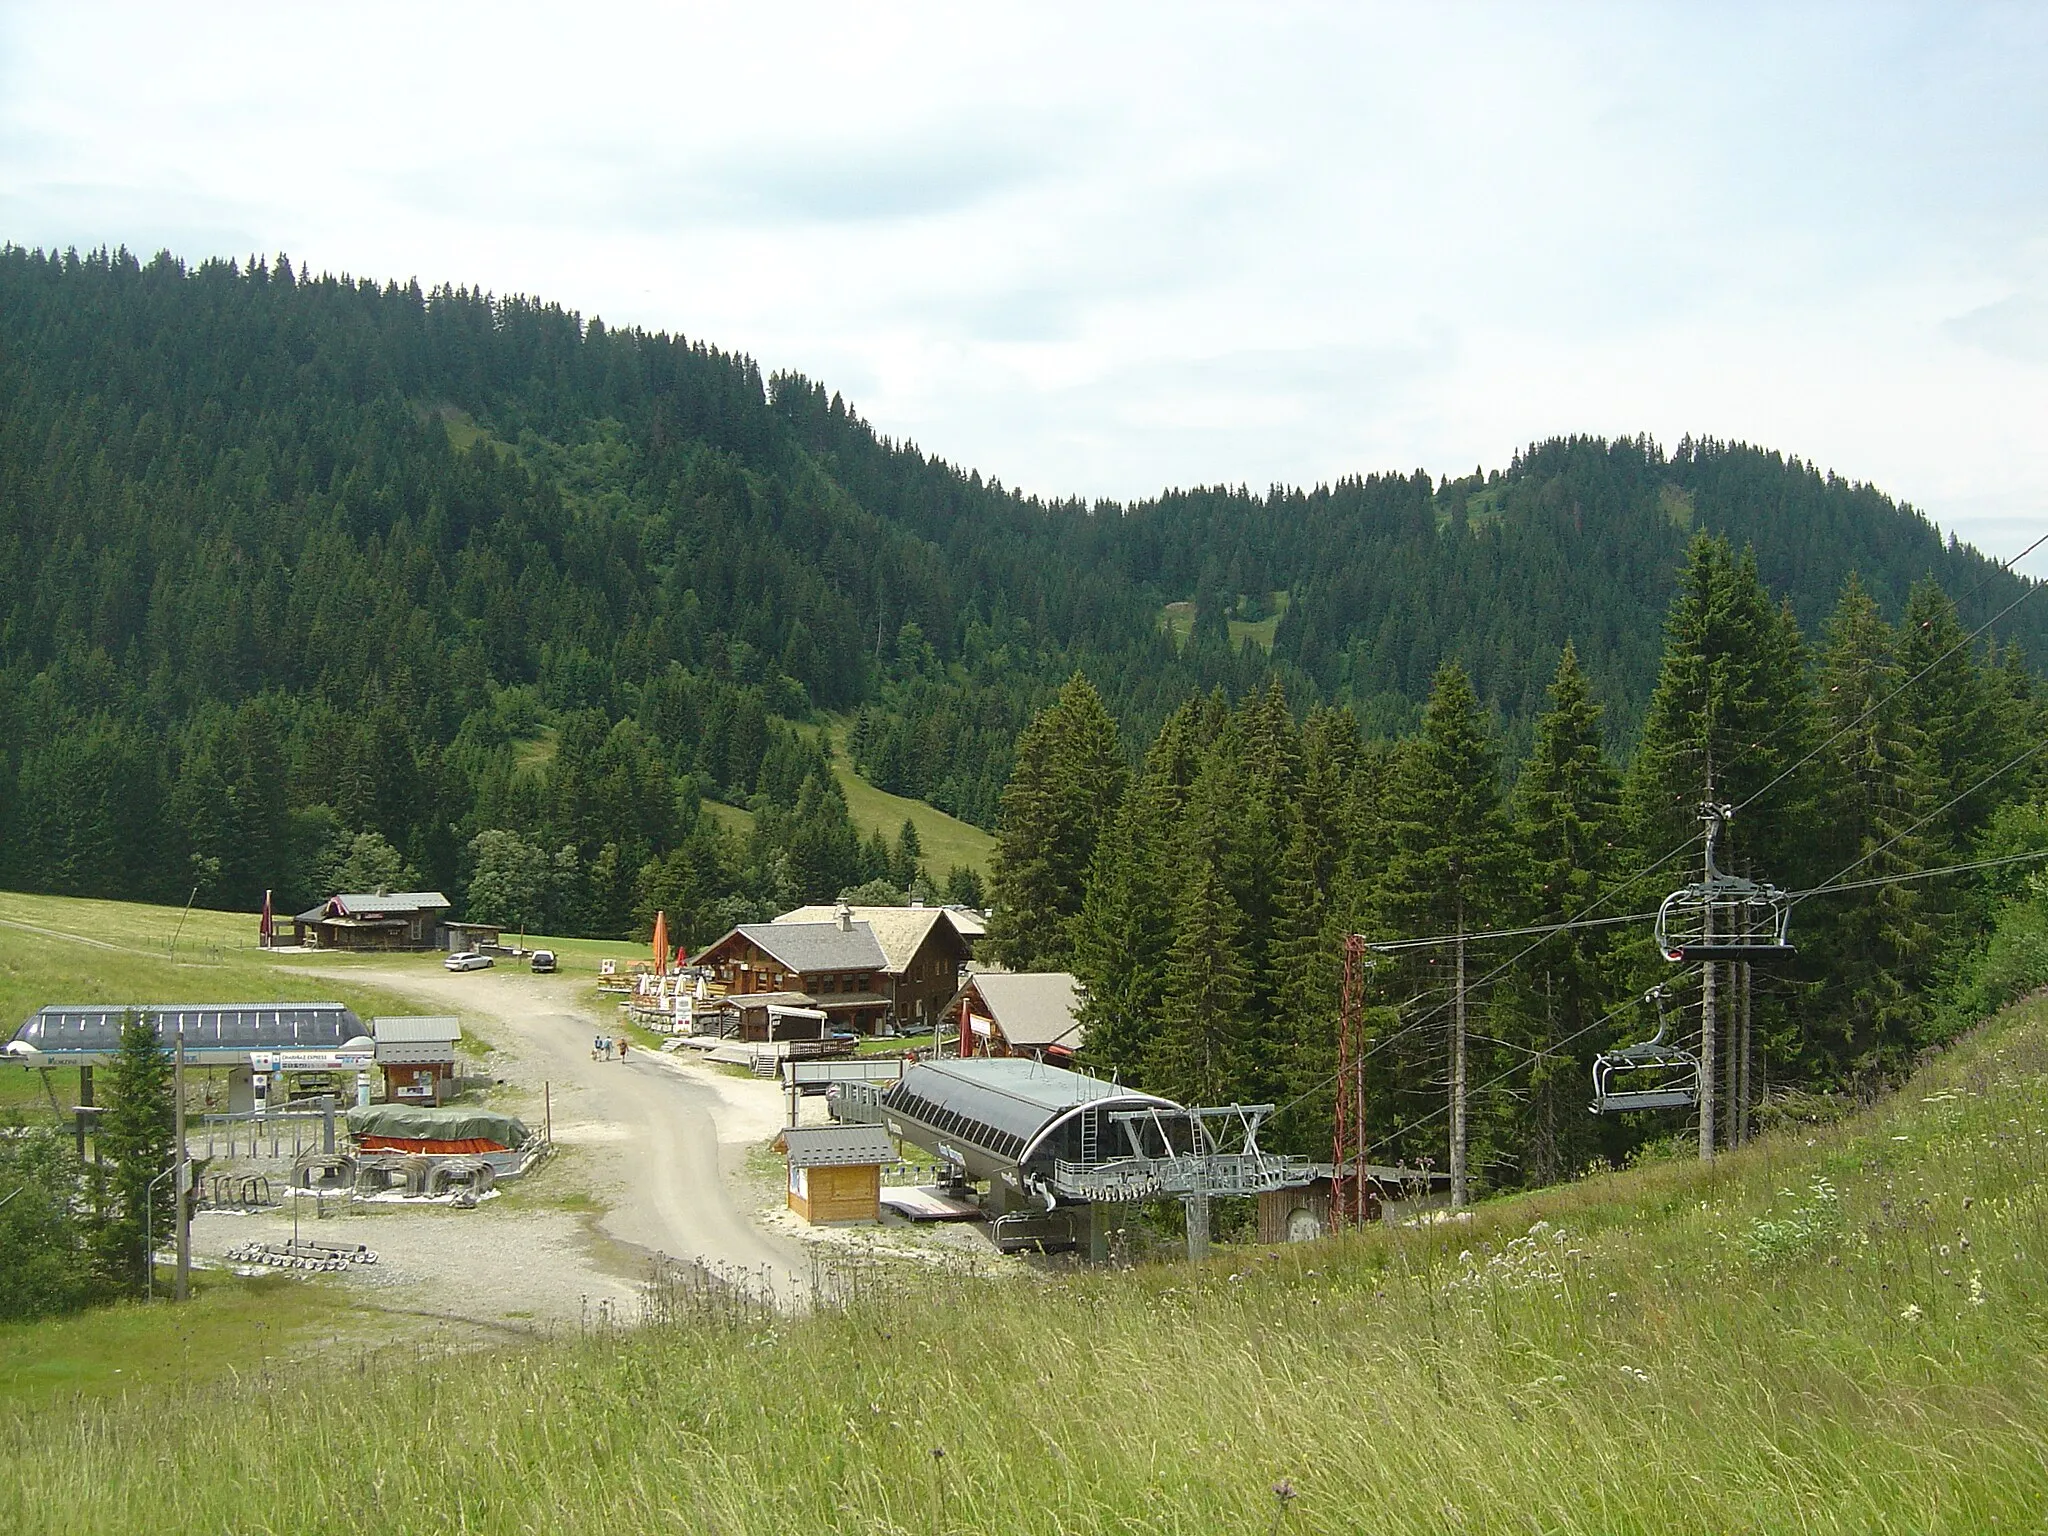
[[662, 1143]]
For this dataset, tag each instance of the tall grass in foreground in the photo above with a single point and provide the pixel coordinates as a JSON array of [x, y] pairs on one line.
[[1836, 1333]]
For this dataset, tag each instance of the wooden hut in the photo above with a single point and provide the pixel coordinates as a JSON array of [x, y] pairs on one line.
[[835, 1171]]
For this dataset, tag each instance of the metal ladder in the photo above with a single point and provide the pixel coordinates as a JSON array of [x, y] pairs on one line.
[[1091, 1135]]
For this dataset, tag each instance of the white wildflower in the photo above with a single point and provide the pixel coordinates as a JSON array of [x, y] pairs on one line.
[[1976, 1287], [1912, 1313]]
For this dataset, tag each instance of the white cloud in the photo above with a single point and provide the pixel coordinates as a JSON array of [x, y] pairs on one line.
[[1100, 249]]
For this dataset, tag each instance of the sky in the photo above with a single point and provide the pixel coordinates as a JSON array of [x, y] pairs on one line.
[[1101, 249]]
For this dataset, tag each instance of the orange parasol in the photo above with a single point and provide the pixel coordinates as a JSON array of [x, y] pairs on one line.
[[661, 943]]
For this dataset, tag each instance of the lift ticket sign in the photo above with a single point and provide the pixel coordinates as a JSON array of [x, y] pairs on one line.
[[312, 1061]]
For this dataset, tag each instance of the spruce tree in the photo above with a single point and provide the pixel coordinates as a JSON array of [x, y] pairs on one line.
[[1881, 820], [1068, 779], [1952, 707], [1453, 865], [135, 1137], [1125, 928], [1568, 813], [1197, 1055]]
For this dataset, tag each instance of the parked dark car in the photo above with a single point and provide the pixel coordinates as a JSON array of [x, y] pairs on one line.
[[543, 962]]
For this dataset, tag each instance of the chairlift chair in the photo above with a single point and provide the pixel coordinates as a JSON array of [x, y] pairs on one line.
[[1724, 917], [1662, 1075]]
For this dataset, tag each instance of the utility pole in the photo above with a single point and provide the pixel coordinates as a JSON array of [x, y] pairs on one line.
[[1746, 1052], [1349, 1205], [1709, 1022], [1458, 1075], [183, 1285]]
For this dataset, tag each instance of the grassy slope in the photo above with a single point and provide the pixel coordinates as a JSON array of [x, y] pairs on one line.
[[948, 843], [735, 818], [56, 949], [1837, 1331], [231, 1325], [1179, 619]]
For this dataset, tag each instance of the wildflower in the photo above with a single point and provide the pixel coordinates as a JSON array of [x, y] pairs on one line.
[[1539, 1229], [1976, 1287], [1912, 1313], [1284, 1491], [1946, 1250]]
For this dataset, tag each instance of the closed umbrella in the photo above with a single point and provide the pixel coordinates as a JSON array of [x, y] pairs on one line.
[[661, 943]]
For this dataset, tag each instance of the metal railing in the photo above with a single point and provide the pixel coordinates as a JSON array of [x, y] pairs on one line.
[[1148, 1178]]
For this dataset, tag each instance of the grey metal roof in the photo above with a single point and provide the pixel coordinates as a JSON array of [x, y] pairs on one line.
[[96, 1027], [817, 1146], [901, 931], [818, 946], [422, 1029], [1032, 1008], [1003, 1103], [375, 904]]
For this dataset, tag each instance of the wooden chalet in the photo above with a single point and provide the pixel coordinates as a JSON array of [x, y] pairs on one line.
[[374, 920], [1021, 1013], [837, 968], [923, 952]]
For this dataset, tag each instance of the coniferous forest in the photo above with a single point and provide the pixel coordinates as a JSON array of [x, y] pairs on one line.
[[309, 582]]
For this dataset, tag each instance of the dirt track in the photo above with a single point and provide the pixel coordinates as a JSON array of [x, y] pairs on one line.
[[660, 1142]]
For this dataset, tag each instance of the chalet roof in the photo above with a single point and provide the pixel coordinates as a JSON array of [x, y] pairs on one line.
[[1032, 1008], [818, 1146], [377, 904], [901, 931], [826, 946], [972, 924], [424, 1029]]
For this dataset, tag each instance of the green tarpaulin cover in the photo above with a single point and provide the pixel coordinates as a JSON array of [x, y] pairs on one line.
[[446, 1122]]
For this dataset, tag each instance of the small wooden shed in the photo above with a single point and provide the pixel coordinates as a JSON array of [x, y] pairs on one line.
[[835, 1171]]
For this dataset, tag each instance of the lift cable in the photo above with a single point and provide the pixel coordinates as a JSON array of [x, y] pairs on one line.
[[1970, 639], [1827, 885], [1580, 918], [1549, 1052]]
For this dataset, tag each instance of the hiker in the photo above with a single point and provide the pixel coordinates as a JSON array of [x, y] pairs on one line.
[[622, 1048]]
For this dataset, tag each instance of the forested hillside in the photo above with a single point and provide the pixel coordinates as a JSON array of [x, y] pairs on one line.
[[1890, 778], [311, 581]]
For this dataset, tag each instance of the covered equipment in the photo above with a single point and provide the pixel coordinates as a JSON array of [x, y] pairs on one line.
[[434, 1128]]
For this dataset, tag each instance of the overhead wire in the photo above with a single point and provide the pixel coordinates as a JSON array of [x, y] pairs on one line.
[[1579, 918]]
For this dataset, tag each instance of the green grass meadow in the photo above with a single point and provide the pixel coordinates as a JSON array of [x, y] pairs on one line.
[[1836, 1330], [56, 949], [948, 843]]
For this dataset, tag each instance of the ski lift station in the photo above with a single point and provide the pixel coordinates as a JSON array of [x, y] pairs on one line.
[[1063, 1153]]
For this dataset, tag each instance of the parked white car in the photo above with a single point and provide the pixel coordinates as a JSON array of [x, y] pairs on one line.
[[467, 960], [543, 962]]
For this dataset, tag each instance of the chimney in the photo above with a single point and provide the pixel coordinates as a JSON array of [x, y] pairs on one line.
[[843, 916]]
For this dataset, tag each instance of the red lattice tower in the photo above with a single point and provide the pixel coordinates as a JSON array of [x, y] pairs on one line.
[[1348, 1189]]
